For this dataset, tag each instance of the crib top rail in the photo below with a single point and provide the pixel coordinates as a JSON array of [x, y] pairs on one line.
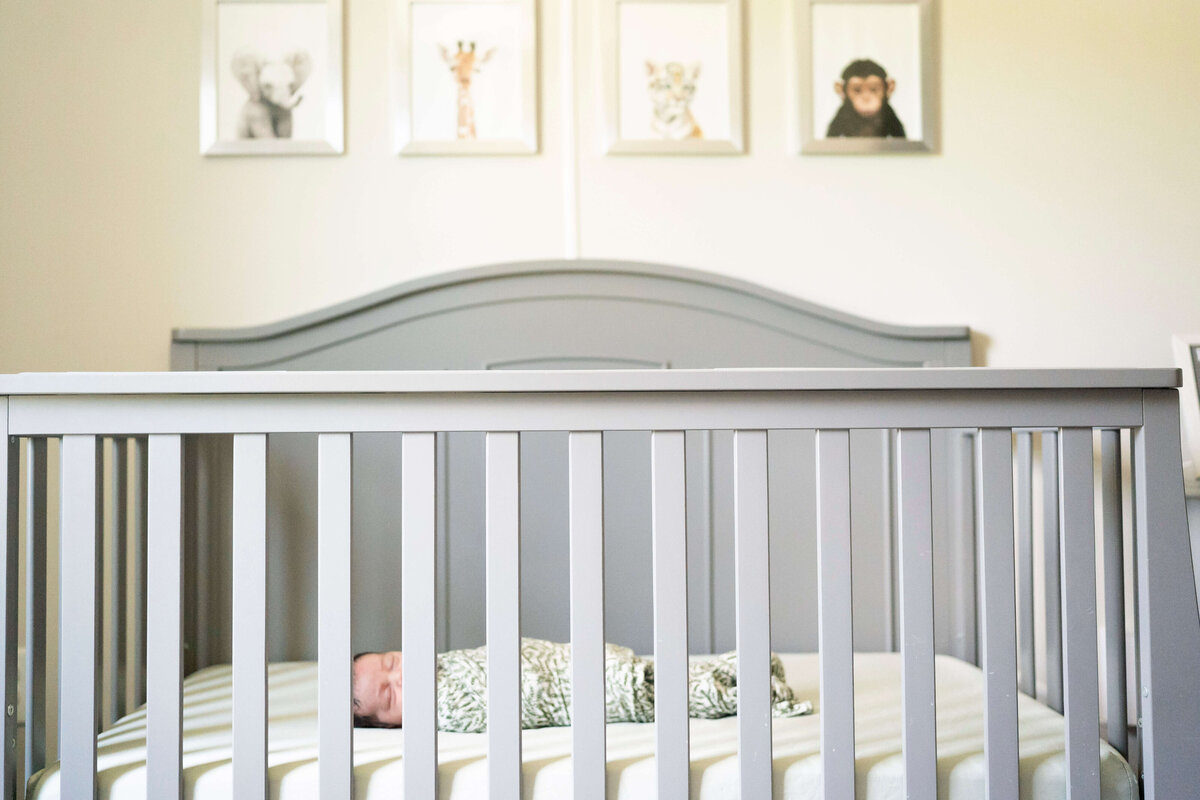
[[540, 381]]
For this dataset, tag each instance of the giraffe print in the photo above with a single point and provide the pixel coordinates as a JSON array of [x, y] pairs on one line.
[[463, 64]]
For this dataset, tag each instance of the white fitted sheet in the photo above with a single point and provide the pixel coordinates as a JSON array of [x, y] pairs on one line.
[[378, 766]]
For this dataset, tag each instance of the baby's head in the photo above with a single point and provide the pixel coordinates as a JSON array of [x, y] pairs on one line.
[[378, 678]]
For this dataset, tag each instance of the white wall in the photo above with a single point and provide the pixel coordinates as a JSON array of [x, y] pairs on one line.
[[1059, 220]]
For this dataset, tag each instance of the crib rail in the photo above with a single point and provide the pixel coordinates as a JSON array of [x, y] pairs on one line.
[[148, 416]]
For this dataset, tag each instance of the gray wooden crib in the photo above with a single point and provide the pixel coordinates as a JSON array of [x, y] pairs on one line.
[[935, 446]]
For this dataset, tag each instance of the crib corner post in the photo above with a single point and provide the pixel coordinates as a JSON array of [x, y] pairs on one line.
[[9, 492], [1168, 624]]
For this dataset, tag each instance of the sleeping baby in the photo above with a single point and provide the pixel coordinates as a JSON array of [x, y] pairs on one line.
[[546, 688]]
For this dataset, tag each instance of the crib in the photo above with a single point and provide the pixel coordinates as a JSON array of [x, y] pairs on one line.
[[150, 413], [882, 499]]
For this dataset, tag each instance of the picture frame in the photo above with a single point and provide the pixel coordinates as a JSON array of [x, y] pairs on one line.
[[1187, 352], [291, 48], [657, 59], [873, 49], [464, 77]]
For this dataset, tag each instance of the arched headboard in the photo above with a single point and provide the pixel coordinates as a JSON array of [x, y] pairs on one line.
[[544, 314], [588, 314]]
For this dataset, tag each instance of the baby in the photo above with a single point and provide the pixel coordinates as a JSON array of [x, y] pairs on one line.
[[546, 688]]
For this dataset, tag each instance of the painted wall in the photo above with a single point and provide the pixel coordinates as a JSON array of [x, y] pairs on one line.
[[1059, 221]]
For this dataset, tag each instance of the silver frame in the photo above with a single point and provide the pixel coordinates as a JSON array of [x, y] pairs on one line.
[[405, 143], [803, 139], [210, 142], [610, 44]]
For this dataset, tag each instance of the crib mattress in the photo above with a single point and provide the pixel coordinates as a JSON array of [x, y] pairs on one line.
[[379, 770]]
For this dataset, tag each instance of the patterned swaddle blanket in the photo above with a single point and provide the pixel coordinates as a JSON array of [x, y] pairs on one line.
[[629, 687]]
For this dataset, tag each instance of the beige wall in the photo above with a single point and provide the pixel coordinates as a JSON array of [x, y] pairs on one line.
[[1060, 221]]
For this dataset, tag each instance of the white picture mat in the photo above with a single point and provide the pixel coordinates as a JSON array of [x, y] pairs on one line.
[[273, 29], [887, 33], [496, 89], [684, 32]]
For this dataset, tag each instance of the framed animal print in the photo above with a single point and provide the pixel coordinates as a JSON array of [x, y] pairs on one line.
[[672, 72], [271, 77], [465, 77], [868, 80]]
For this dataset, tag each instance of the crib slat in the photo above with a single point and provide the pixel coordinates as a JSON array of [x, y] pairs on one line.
[[999, 613], [503, 510], [9, 526], [1137, 750], [1076, 498], [35, 607], [916, 614], [1026, 675], [77, 704], [101, 482], [1114, 589], [250, 616], [418, 601], [118, 513], [164, 621], [335, 745], [503, 614], [588, 752], [141, 533], [1051, 540], [670, 614], [753, 612], [836, 632]]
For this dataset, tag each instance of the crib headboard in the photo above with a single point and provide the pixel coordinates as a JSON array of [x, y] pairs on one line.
[[568, 315]]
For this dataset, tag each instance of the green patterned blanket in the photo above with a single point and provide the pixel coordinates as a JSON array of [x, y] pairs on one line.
[[629, 695]]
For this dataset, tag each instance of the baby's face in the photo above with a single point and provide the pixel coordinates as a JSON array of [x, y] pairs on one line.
[[378, 678]]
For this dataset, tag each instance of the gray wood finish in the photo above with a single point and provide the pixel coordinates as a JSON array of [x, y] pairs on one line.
[[1082, 700], [1135, 751], [164, 621], [141, 532], [35, 606], [335, 737], [954, 545], [544, 409], [503, 532], [418, 599], [587, 528], [1027, 677], [10, 466], [116, 555], [250, 616], [916, 615], [1169, 636], [999, 635], [1168, 624], [834, 557], [77, 628], [671, 730], [668, 317], [1114, 589], [1052, 542], [753, 613]]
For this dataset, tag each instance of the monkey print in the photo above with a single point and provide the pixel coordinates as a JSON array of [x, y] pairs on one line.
[[865, 90]]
